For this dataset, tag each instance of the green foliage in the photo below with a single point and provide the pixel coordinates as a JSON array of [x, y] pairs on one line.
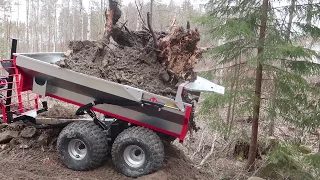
[[297, 101], [285, 162], [313, 160], [286, 63], [310, 30]]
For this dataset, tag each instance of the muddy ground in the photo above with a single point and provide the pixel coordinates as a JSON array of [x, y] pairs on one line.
[[32, 155]]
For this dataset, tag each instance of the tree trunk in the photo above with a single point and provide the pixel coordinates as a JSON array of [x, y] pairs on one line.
[[309, 17], [9, 26], [291, 13], [81, 20], [309, 12], [28, 45], [237, 73], [89, 21], [18, 28], [274, 94], [100, 32], [37, 27], [272, 116], [139, 16], [41, 39], [256, 109], [55, 29], [74, 14], [67, 21], [151, 12], [230, 104], [319, 141]]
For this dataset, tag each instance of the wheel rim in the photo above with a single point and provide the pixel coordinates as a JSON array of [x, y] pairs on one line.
[[134, 156], [77, 149]]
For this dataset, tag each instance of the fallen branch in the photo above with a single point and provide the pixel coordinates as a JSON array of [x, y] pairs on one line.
[[199, 147], [123, 25], [151, 31], [210, 153]]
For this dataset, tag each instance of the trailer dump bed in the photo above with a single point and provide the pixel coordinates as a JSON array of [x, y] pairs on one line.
[[170, 116], [135, 122]]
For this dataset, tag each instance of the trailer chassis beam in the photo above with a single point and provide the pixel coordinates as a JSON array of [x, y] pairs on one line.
[[26, 117], [86, 109]]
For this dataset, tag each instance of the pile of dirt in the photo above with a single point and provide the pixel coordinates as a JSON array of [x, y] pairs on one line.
[[28, 154], [132, 60], [59, 112], [21, 136]]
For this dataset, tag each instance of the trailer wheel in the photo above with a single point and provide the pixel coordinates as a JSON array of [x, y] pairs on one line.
[[82, 145], [137, 151]]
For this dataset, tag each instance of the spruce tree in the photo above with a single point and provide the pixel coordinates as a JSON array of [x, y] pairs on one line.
[[267, 37]]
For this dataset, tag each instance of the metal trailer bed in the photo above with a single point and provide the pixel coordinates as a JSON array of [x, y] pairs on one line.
[[129, 112]]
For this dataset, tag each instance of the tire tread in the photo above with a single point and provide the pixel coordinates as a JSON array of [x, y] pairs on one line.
[[150, 138], [96, 136]]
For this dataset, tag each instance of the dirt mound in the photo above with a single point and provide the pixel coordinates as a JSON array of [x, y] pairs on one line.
[[133, 61], [18, 135], [128, 65], [177, 166], [59, 111], [35, 157]]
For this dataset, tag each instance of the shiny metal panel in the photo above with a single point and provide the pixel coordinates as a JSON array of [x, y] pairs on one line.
[[83, 89], [204, 85], [40, 65], [146, 115]]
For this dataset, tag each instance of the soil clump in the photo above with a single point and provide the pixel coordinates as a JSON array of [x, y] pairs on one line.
[[131, 59], [59, 112]]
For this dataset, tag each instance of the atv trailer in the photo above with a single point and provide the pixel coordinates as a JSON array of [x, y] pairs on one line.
[[135, 122]]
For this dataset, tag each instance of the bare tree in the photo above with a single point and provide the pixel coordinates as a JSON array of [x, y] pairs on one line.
[[89, 21], [151, 12], [28, 43]]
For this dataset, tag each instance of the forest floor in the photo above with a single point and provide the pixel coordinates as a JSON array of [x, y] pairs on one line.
[[31, 154], [37, 163]]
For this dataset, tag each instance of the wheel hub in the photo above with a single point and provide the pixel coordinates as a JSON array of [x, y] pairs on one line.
[[77, 149], [134, 156]]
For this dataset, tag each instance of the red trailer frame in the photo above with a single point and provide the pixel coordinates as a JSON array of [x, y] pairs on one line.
[[20, 102], [16, 100], [131, 140]]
